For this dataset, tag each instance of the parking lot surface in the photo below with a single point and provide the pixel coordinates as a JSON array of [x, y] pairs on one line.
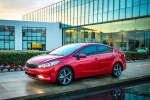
[[16, 85]]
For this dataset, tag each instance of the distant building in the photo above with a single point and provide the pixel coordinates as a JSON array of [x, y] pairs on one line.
[[25, 35]]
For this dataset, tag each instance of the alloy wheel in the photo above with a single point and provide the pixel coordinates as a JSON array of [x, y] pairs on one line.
[[117, 69], [65, 76]]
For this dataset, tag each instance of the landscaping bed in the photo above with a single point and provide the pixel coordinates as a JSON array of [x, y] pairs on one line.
[[15, 61], [135, 56]]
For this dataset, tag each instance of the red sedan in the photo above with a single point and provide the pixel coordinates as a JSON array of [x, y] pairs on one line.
[[74, 61]]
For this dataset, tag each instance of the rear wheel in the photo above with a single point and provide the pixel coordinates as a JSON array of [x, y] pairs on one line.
[[65, 76], [117, 69]]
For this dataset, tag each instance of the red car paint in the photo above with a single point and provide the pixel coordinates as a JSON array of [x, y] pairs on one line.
[[96, 64]]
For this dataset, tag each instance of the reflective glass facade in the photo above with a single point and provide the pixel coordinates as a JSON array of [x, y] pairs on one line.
[[123, 35], [7, 34], [34, 38], [124, 24]]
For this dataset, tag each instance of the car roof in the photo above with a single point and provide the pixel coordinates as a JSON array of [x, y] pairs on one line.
[[84, 44]]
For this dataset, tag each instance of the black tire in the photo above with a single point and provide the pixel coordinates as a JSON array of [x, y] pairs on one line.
[[116, 94], [117, 69], [65, 76]]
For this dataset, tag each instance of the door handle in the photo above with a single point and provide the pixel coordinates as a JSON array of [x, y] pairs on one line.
[[113, 56], [96, 58]]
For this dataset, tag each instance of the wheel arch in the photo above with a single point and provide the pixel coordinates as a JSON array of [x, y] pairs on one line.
[[116, 72], [120, 64], [68, 67]]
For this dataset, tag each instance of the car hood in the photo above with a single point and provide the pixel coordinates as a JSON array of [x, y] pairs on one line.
[[42, 59]]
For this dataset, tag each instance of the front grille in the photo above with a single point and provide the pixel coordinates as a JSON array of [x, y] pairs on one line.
[[32, 66], [31, 75]]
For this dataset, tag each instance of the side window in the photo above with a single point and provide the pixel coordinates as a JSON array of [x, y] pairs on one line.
[[89, 50], [104, 49]]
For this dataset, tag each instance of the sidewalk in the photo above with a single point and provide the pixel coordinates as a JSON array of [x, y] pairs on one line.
[[15, 85]]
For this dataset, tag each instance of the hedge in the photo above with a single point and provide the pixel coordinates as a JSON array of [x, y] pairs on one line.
[[20, 58], [137, 55], [16, 58]]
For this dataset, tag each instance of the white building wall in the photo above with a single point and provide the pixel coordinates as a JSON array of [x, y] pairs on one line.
[[53, 32], [18, 36], [53, 37]]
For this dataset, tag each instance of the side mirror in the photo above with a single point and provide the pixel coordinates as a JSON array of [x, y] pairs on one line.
[[82, 56]]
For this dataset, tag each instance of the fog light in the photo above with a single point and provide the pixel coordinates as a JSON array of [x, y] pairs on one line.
[[40, 76]]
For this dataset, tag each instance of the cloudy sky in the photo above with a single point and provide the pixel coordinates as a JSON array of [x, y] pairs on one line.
[[14, 9]]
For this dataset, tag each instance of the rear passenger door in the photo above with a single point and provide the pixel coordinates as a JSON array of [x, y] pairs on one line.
[[106, 57]]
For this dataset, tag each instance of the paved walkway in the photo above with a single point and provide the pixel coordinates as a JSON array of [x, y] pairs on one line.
[[15, 85]]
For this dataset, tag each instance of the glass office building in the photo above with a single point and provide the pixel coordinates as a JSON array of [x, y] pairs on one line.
[[123, 24]]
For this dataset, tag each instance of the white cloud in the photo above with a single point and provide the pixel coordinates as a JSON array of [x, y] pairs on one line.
[[14, 9]]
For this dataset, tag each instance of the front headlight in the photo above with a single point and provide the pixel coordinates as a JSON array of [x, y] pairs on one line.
[[49, 64]]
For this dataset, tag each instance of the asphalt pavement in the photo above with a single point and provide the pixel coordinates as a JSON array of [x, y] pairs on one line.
[[16, 85]]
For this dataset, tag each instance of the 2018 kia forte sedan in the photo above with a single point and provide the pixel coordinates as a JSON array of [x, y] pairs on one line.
[[74, 61]]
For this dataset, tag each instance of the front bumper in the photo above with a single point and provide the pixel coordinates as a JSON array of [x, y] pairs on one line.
[[42, 74]]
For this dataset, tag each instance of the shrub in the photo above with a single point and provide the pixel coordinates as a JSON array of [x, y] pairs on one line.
[[16, 58], [20, 58], [137, 55]]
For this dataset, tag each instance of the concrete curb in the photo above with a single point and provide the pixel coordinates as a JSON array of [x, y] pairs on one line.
[[88, 88]]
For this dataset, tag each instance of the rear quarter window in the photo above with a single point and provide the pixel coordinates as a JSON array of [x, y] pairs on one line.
[[104, 49]]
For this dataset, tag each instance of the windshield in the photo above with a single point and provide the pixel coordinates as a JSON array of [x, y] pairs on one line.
[[65, 50]]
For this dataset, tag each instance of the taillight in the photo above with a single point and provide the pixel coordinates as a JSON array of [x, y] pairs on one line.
[[119, 52], [122, 54]]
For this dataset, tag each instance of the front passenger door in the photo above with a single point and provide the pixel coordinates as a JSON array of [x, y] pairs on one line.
[[86, 66]]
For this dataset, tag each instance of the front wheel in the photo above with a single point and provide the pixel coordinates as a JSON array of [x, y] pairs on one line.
[[117, 69], [65, 76]]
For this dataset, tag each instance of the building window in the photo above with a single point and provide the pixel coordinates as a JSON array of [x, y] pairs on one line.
[[116, 3], [105, 6], [116, 14], [143, 1], [136, 2], [110, 15], [104, 16], [128, 3], [86, 35], [136, 11], [143, 10], [93, 35], [129, 12], [7, 37], [34, 38], [122, 3], [122, 13], [149, 9], [110, 5]]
